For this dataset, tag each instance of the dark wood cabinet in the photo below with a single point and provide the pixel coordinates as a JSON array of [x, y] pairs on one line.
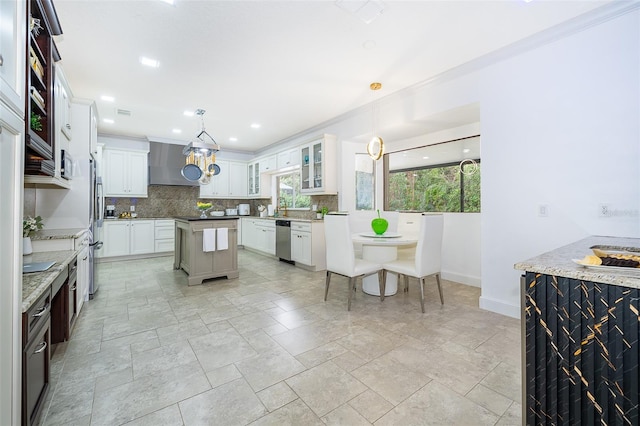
[[42, 24], [36, 354]]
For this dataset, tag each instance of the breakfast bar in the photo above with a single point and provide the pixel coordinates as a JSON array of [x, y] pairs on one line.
[[580, 331], [206, 248]]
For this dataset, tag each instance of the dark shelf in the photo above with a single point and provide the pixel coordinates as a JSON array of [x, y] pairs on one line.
[[35, 142]]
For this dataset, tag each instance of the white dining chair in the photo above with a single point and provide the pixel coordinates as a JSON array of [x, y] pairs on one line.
[[341, 258], [427, 260], [408, 227]]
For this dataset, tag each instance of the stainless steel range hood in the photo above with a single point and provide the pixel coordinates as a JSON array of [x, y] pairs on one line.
[[165, 162]]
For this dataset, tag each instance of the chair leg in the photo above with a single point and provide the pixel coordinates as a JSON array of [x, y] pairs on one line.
[[326, 285], [421, 281], [406, 283], [382, 280], [439, 288], [352, 284]]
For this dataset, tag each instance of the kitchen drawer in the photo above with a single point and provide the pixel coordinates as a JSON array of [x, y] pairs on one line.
[[163, 233], [165, 222], [164, 245], [300, 226], [37, 315], [35, 373]]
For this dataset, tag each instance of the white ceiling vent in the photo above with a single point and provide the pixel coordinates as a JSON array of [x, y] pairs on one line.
[[124, 112]]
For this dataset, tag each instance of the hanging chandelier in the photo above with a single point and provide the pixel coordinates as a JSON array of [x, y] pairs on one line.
[[375, 147], [201, 159]]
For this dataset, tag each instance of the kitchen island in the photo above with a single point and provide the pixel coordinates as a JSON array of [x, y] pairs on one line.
[[221, 257], [580, 331]]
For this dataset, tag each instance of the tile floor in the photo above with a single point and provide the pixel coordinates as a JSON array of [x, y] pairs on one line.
[[265, 349]]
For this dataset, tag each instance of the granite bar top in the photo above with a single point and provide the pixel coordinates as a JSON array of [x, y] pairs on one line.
[[36, 283], [58, 234], [558, 262]]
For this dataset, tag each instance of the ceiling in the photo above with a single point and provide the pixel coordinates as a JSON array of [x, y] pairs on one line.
[[286, 65]]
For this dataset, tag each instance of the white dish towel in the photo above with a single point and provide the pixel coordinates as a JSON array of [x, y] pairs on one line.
[[209, 239], [223, 238]]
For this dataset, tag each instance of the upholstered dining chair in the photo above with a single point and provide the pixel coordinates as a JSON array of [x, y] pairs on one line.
[[341, 258], [408, 226], [427, 260]]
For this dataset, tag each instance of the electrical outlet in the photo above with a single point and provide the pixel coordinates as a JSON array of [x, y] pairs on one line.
[[543, 210], [132, 208], [604, 210]]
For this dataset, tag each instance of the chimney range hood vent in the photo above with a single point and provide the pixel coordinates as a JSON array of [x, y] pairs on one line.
[[165, 163]]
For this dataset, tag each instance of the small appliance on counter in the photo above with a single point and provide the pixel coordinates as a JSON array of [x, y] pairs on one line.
[[244, 209], [111, 212], [231, 212]]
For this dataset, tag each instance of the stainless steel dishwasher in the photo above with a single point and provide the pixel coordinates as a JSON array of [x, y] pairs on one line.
[[283, 240]]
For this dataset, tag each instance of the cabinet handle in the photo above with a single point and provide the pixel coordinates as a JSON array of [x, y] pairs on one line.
[[1, 61], [42, 348], [41, 311], [73, 288], [85, 258], [68, 126]]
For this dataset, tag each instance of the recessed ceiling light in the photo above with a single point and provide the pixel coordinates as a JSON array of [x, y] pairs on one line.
[[232, 139], [153, 63], [188, 113], [107, 98], [466, 150], [369, 44], [255, 126], [108, 121], [425, 158], [171, 2], [176, 131]]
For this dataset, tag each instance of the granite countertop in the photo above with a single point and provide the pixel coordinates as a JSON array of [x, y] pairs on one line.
[[36, 283], [291, 219], [58, 234], [558, 262]]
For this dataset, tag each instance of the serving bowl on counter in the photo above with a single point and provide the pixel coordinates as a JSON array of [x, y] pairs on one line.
[[217, 213]]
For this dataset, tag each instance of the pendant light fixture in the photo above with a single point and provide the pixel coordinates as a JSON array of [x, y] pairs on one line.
[[375, 147], [201, 159]]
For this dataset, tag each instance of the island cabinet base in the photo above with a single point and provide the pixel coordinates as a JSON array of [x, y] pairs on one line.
[[200, 265], [581, 352]]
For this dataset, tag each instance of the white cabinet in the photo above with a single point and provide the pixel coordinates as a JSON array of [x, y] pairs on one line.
[[259, 181], [142, 238], [12, 50], [268, 164], [254, 178], [125, 173], [82, 280], [62, 111], [308, 244], [318, 166], [231, 182], [237, 179], [164, 235], [259, 234], [128, 237], [288, 159]]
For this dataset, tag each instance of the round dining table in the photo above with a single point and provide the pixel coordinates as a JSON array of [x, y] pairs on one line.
[[380, 249]]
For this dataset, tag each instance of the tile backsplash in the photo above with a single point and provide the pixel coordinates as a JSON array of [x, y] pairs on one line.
[[169, 201]]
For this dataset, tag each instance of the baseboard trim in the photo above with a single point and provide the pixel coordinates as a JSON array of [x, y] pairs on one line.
[[462, 279], [500, 307]]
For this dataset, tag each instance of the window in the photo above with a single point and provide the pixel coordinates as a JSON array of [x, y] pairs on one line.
[[289, 192], [365, 182], [435, 178]]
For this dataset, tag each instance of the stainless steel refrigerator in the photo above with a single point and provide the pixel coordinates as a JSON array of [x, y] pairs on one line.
[[96, 216]]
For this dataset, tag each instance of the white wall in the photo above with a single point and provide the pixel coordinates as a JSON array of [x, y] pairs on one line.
[[559, 127]]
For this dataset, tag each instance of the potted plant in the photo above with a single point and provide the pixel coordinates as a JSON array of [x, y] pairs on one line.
[[321, 212], [29, 226], [35, 122]]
